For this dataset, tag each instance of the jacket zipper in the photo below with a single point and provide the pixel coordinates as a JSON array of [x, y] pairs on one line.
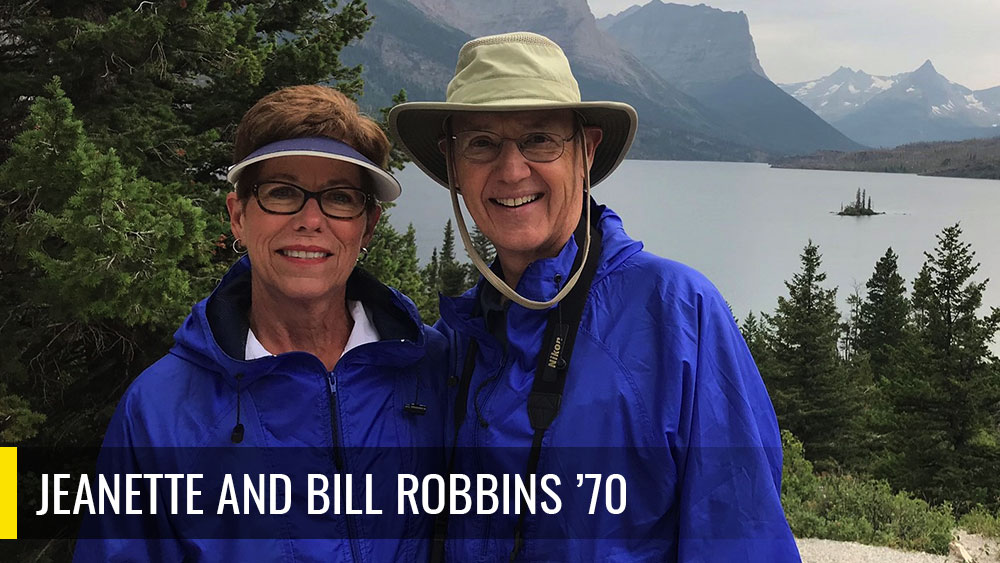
[[338, 460]]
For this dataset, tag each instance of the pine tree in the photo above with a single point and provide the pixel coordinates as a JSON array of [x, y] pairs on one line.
[[452, 275], [849, 329], [486, 251], [392, 258], [811, 393], [883, 317], [952, 393], [759, 338], [881, 358], [101, 267], [165, 82], [431, 273]]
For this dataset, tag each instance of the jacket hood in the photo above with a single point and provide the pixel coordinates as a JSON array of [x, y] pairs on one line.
[[542, 279], [214, 335]]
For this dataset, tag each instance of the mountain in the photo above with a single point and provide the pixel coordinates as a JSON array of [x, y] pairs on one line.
[[905, 108], [841, 93], [610, 19], [403, 49], [686, 44], [567, 22], [990, 96], [710, 55], [414, 45]]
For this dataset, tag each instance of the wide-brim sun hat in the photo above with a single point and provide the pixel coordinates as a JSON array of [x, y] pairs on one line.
[[512, 72], [384, 185], [518, 71]]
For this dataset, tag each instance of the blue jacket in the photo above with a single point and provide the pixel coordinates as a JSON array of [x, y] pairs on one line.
[[297, 417], [661, 390]]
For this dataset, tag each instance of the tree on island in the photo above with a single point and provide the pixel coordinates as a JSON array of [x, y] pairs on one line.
[[862, 206]]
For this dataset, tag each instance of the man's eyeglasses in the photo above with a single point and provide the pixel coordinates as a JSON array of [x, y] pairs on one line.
[[282, 198], [485, 146]]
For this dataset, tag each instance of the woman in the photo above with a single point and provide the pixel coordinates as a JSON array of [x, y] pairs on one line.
[[298, 363]]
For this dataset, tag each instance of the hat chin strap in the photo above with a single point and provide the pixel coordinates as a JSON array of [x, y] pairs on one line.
[[481, 265]]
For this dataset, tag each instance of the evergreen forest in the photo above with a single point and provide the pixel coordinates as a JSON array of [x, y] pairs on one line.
[[116, 124]]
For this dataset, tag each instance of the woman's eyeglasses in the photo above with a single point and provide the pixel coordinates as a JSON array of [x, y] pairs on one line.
[[282, 198]]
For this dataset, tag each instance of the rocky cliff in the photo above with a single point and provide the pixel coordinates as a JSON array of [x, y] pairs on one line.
[[710, 55], [687, 44]]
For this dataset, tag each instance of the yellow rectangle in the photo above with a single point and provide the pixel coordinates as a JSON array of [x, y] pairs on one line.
[[8, 493]]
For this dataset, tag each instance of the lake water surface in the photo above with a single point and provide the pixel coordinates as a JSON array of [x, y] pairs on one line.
[[744, 225]]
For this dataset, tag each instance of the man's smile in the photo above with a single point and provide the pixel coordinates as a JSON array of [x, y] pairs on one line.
[[516, 201]]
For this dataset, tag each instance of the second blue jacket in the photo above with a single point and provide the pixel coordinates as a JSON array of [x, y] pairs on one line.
[[661, 389]]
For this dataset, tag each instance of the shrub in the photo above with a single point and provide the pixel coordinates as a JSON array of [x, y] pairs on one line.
[[981, 521], [847, 508]]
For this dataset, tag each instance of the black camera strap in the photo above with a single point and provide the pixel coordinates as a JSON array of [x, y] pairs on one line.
[[545, 397]]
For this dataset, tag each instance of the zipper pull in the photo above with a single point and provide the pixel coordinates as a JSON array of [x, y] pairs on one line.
[[333, 382]]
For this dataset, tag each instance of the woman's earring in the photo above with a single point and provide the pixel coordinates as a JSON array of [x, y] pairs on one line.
[[363, 255], [238, 247]]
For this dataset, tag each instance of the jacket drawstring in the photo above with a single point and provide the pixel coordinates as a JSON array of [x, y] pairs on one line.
[[237, 436], [416, 407]]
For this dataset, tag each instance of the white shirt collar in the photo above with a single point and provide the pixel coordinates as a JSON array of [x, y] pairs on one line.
[[362, 333]]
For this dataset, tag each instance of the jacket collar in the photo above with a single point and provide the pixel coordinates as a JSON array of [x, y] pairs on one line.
[[538, 281], [214, 334]]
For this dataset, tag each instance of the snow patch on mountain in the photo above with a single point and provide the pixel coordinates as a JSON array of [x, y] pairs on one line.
[[879, 83], [975, 104]]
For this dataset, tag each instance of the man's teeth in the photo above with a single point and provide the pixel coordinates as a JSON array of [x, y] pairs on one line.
[[517, 201], [303, 254]]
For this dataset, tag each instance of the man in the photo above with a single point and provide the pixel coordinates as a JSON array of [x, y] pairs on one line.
[[579, 354]]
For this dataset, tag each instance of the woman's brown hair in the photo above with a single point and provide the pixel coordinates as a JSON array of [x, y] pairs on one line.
[[307, 111]]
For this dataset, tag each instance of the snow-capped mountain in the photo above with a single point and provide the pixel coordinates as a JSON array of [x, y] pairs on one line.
[[841, 93], [886, 111]]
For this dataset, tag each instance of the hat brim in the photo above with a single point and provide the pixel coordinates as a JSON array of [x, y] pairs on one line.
[[384, 185], [418, 126]]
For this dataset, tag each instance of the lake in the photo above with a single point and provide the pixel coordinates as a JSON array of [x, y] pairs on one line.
[[744, 225]]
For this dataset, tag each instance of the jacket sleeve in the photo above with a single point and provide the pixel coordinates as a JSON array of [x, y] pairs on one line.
[[730, 489], [110, 537]]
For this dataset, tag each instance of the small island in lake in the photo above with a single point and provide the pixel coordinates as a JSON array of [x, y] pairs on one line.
[[861, 207]]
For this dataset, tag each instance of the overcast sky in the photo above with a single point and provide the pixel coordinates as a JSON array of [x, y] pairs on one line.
[[800, 40]]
